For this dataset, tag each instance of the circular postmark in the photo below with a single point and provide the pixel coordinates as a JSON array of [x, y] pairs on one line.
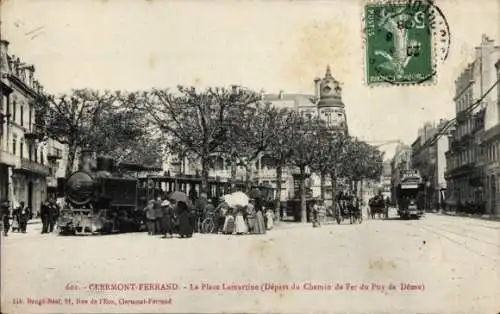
[[404, 41]]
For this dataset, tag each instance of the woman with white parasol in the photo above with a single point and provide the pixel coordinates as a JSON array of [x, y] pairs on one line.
[[238, 201]]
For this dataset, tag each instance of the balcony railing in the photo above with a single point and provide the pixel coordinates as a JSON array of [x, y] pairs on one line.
[[35, 167]]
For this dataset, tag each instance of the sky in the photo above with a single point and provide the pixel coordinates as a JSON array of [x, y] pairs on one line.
[[269, 45]]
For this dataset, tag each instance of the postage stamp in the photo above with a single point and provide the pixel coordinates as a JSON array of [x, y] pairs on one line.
[[400, 37]]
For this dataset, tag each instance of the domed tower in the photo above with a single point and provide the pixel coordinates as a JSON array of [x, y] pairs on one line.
[[330, 106]]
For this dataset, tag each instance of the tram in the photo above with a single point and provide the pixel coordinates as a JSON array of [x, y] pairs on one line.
[[410, 195]]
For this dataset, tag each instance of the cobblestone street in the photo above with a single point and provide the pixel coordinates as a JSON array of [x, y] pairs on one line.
[[422, 253]]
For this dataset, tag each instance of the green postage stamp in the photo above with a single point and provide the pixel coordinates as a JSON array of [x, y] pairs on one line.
[[399, 42]]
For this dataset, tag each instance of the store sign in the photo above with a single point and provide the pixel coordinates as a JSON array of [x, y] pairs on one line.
[[410, 173]]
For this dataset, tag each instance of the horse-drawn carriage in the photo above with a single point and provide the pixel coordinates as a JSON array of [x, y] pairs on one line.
[[348, 206], [378, 207]]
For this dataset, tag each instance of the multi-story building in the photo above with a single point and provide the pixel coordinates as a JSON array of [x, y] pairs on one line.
[[400, 161], [326, 102], [385, 179], [491, 150], [442, 146], [465, 162], [428, 157], [25, 161]]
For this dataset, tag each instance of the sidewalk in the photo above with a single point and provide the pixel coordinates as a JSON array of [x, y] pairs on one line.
[[476, 216]]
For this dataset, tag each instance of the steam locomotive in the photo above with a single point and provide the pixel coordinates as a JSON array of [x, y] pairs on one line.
[[101, 199]]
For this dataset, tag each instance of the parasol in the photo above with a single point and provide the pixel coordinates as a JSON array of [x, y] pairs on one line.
[[236, 199]]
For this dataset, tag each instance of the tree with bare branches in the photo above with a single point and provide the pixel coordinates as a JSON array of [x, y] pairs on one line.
[[197, 123], [252, 135], [329, 147], [85, 119], [281, 148], [304, 153]]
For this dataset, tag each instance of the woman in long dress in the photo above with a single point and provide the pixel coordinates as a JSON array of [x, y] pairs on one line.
[[260, 226], [167, 219], [185, 220], [269, 219], [240, 227], [228, 227], [251, 218]]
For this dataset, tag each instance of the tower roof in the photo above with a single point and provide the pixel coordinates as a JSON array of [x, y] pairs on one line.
[[330, 91]]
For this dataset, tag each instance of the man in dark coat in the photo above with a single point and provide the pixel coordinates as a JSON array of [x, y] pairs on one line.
[[44, 214], [167, 219], [200, 206], [5, 212], [158, 217], [24, 215], [53, 214]]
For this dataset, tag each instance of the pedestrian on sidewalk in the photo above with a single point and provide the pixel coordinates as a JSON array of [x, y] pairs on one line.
[[53, 214], [251, 217], [158, 216], [229, 225], [150, 217], [24, 216], [185, 220], [315, 215], [167, 219], [269, 219], [5, 212], [44, 215], [221, 212]]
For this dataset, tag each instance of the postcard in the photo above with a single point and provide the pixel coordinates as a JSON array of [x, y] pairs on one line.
[[326, 156]]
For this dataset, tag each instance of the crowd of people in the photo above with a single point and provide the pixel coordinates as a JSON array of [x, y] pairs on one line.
[[17, 220], [167, 217], [252, 218], [164, 217]]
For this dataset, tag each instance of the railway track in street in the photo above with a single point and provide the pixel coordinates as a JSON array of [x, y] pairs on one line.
[[455, 236]]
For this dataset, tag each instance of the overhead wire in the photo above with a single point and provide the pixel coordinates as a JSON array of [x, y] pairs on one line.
[[451, 122]]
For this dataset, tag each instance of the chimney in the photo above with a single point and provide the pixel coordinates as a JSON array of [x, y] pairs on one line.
[[4, 60], [317, 84], [234, 89], [281, 94], [30, 75]]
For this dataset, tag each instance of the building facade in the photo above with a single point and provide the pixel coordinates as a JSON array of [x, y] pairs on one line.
[[325, 102], [428, 157], [465, 173], [401, 161], [26, 163], [491, 151]]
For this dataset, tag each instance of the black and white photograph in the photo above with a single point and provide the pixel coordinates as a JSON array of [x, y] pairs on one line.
[[323, 156]]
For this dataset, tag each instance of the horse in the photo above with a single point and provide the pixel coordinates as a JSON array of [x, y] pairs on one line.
[[377, 207]]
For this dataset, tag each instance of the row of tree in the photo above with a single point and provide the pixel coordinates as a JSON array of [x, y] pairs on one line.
[[231, 122]]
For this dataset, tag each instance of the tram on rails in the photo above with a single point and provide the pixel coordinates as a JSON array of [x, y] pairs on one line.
[[410, 193], [110, 198]]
